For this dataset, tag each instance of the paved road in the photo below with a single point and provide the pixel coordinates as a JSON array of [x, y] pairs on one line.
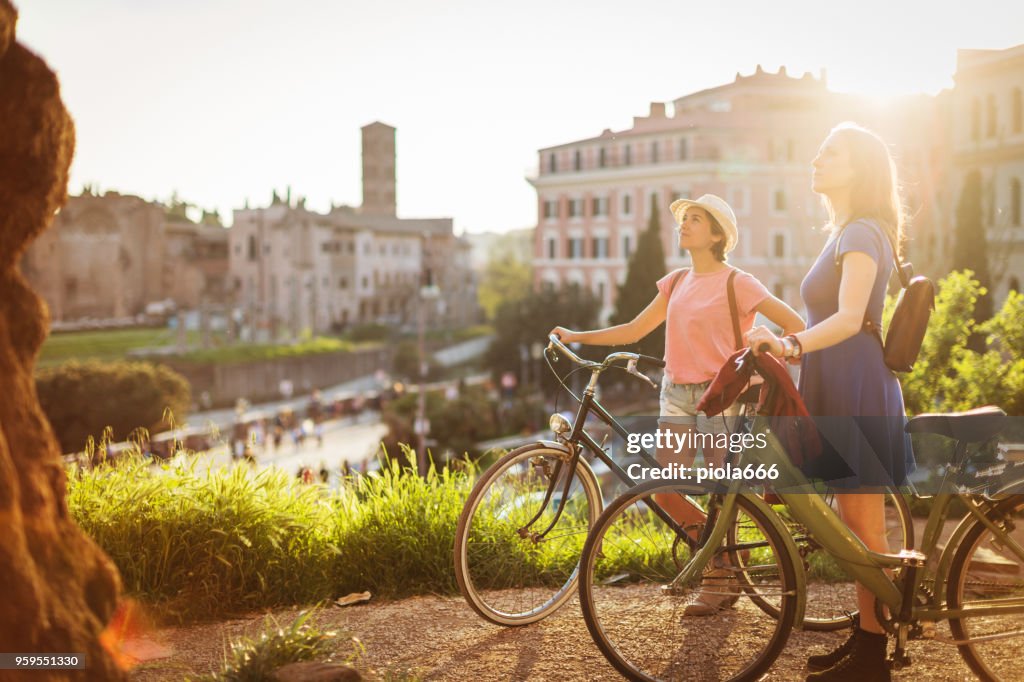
[[352, 440]]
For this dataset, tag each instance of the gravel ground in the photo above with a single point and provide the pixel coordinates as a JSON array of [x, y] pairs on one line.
[[440, 638]]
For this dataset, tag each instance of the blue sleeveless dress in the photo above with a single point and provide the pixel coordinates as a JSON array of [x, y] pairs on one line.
[[856, 401]]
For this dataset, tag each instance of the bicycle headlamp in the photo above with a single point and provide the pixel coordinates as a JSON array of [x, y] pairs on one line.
[[559, 424]]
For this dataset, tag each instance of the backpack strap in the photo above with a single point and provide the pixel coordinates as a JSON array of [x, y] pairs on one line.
[[870, 326], [734, 309], [675, 280], [903, 276]]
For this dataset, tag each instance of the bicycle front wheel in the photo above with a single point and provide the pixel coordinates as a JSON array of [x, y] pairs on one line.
[[648, 633], [987, 572], [512, 565]]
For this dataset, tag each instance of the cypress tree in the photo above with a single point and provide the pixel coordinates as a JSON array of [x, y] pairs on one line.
[[970, 251], [646, 267]]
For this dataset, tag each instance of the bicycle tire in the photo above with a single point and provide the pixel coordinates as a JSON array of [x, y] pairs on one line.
[[628, 613], [990, 573], [505, 577]]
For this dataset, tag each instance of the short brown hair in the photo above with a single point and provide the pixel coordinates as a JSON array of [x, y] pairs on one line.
[[718, 249]]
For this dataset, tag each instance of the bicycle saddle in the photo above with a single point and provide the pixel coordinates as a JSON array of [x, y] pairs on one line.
[[972, 426]]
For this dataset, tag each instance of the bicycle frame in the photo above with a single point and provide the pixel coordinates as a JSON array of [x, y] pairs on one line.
[[589, 404], [863, 565]]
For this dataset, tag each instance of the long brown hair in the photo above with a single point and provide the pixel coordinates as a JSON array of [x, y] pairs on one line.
[[875, 189]]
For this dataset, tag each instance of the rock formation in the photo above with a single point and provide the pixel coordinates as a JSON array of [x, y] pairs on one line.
[[59, 589]]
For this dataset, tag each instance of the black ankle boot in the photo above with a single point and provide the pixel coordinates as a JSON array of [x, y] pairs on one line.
[[865, 662], [826, 661]]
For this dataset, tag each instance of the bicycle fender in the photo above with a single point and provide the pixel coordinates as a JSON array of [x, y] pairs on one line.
[[794, 555], [564, 447]]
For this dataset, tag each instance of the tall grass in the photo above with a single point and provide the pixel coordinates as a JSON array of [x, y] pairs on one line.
[[198, 544]]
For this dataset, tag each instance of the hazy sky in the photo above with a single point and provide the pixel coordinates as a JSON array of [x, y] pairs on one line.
[[222, 100]]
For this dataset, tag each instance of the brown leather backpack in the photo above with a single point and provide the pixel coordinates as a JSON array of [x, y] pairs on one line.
[[909, 324]]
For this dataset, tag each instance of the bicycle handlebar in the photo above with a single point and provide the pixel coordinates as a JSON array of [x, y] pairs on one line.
[[632, 359]]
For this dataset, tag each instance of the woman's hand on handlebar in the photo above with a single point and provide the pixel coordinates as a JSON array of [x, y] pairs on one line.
[[761, 336], [566, 335]]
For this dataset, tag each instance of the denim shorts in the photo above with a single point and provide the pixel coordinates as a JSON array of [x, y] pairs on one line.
[[679, 406]]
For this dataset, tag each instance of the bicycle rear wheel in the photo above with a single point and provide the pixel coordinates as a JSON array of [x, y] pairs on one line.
[[507, 571], [642, 630], [987, 571]]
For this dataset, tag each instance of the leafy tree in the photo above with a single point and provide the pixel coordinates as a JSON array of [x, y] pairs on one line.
[[82, 398], [504, 280], [949, 375], [646, 267], [970, 248], [520, 324]]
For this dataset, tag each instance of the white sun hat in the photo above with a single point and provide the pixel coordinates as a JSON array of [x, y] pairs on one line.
[[717, 207]]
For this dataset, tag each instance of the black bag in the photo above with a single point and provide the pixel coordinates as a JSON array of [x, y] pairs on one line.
[[902, 343]]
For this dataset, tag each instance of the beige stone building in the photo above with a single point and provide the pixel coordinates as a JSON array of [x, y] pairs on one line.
[[751, 142], [109, 255], [294, 269], [988, 135]]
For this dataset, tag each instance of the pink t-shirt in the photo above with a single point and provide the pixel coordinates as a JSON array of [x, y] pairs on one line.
[[699, 336]]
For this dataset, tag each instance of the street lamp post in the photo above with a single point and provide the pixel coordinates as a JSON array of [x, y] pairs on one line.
[[427, 291]]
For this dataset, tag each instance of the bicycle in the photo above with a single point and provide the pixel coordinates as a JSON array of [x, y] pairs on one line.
[[639, 626], [524, 524]]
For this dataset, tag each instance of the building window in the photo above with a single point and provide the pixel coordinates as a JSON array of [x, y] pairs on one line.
[[779, 245], [600, 247], [552, 248], [575, 247], [550, 208], [1017, 107], [654, 152], [1015, 202], [343, 283], [684, 149], [990, 203], [599, 206], [779, 202], [253, 251], [366, 282], [602, 157], [627, 246], [600, 292], [627, 204], [575, 208], [627, 155], [990, 118], [552, 163], [975, 119], [577, 160]]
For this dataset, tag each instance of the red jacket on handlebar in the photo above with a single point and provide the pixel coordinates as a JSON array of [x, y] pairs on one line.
[[778, 398]]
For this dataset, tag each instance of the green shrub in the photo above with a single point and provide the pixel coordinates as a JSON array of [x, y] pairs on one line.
[[369, 332], [81, 399]]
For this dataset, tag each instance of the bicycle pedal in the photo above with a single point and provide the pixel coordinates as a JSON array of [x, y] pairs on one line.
[[898, 661]]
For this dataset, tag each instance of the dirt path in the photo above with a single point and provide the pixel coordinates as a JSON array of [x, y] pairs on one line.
[[440, 638]]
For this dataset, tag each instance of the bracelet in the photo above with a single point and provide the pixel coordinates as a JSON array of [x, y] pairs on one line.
[[787, 347], [798, 348]]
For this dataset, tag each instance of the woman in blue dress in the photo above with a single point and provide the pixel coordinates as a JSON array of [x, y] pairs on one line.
[[844, 381]]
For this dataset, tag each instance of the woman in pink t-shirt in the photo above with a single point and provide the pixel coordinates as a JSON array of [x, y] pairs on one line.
[[699, 337]]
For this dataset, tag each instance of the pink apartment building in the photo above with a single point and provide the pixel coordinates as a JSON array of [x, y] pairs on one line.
[[751, 142]]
